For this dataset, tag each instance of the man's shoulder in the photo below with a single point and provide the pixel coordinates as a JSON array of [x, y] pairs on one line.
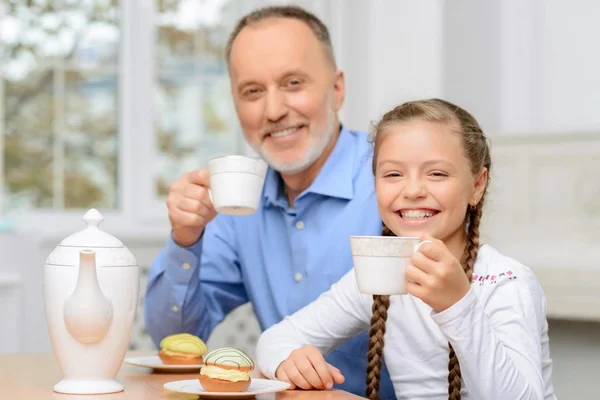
[[361, 138], [362, 143]]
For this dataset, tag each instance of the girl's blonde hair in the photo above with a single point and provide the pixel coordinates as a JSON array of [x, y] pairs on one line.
[[477, 151]]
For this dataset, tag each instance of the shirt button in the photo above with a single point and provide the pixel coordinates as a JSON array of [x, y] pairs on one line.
[[186, 266], [298, 277], [175, 308], [300, 225]]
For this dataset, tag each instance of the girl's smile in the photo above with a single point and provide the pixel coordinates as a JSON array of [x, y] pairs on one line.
[[416, 215]]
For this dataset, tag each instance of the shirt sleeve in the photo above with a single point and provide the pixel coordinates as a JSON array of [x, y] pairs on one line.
[[497, 338], [192, 289], [332, 318]]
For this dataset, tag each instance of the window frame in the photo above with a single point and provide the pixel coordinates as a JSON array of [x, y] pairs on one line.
[[134, 100]]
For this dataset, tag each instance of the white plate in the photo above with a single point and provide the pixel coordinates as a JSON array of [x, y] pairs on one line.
[[156, 363], [257, 386]]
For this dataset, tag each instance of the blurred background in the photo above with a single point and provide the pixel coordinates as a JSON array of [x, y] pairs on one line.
[[104, 103]]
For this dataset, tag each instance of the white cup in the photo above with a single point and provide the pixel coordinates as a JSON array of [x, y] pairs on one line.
[[380, 262], [236, 183]]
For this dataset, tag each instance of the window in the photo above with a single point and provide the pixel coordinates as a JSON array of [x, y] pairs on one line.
[[194, 116], [104, 103], [59, 104]]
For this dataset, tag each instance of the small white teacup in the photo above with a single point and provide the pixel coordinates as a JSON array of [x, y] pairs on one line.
[[380, 262], [236, 183]]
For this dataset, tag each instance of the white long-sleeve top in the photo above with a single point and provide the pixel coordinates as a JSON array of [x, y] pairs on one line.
[[498, 330]]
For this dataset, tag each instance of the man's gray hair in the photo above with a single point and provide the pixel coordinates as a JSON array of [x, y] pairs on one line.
[[292, 12]]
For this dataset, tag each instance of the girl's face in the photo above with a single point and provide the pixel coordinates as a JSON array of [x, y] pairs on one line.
[[424, 181]]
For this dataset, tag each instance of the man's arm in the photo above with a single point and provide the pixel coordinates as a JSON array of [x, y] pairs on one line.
[[192, 289]]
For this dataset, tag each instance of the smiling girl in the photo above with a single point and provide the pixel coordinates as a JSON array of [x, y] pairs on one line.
[[473, 324]]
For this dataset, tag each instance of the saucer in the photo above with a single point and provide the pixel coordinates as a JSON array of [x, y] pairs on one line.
[[257, 386], [156, 363]]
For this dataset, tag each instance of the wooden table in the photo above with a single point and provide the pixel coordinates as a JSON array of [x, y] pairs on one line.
[[32, 377]]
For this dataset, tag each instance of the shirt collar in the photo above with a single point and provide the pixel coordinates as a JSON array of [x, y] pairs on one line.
[[336, 178]]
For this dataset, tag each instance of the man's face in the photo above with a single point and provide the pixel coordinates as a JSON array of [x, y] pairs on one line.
[[286, 92]]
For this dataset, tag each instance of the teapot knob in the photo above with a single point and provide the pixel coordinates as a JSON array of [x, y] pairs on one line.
[[93, 217]]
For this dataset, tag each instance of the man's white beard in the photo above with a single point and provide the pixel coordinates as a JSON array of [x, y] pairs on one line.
[[316, 146]]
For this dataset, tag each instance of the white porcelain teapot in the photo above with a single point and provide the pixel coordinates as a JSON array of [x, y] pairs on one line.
[[91, 286]]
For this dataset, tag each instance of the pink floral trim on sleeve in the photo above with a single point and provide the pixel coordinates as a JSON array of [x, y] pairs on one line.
[[493, 279]]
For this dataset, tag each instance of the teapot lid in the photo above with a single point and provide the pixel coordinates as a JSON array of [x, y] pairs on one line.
[[92, 236], [110, 251]]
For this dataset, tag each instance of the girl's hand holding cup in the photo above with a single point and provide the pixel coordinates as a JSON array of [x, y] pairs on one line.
[[436, 276]]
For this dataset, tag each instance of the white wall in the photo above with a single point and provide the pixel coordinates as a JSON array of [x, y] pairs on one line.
[[395, 55], [11, 289], [21, 300], [570, 54], [471, 69], [525, 66], [575, 350], [519, 66]]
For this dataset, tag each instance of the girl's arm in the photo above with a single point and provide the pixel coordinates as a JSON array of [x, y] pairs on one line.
[[333, 317], [497, 337]]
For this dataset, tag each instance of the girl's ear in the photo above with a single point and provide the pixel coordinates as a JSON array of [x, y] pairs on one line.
[[480, 184]]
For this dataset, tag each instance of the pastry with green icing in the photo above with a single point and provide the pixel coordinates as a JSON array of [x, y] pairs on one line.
[[226, 370]]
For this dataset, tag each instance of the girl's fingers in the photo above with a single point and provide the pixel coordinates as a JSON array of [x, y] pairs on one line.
[[416, 290], [308, 371], [282, 376], [423, 262], [320, 366], [336, 374], [416, 275], [295, 376]]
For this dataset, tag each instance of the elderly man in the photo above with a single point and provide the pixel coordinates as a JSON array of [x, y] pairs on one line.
[[318, 191]]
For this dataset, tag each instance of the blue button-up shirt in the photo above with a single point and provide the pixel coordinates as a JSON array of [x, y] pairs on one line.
[[281, 258]]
